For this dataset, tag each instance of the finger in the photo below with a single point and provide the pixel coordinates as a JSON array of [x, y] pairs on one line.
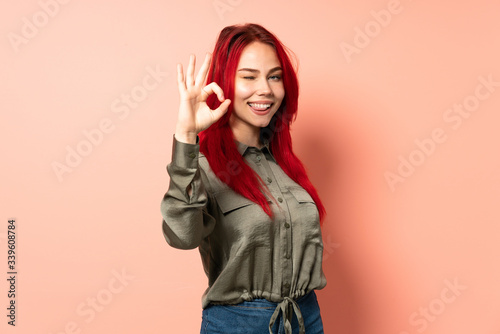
[[202, 74], [213, 88], [180, 78], [190, 71], [219, 112]]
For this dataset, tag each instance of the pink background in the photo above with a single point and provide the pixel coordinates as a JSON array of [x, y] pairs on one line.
[[391, 253]]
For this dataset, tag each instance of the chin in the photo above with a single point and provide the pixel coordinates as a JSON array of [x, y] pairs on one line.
[[262, 123]]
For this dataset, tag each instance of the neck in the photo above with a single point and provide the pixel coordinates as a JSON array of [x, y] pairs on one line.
[[247, 136]]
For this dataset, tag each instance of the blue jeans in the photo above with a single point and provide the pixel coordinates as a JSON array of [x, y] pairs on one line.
[[253, 317]]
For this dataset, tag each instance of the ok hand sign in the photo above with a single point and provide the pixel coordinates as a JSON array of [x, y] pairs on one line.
[[194, 113]]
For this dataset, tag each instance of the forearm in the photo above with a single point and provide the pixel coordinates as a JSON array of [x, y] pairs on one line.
[[186, 221]]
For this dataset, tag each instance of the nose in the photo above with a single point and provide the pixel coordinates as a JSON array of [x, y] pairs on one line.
[[264, 88]]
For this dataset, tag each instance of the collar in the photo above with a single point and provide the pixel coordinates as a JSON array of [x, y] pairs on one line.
[[243, 148]]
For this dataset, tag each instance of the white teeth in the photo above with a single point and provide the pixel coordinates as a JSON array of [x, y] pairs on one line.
[[260, 106]]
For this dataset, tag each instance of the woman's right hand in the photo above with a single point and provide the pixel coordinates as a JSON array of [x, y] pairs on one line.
[[194, 113]]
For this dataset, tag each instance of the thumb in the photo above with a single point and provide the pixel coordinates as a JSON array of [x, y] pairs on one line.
[[219, 112]]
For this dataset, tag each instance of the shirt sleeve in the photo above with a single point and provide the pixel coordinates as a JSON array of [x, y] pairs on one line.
[[186, 221]]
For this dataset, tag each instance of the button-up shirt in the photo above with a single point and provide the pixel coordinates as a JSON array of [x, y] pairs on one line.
[[245, 253]]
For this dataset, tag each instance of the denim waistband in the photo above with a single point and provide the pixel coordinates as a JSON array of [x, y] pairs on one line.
[[264, 303], [288, 306]]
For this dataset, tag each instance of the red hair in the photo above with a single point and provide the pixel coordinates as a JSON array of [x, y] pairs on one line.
[[217, 142]]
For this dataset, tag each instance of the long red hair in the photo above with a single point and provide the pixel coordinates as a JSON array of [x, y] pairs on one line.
[[217, 142]]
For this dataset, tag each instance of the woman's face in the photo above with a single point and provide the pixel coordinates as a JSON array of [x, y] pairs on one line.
[[258, 90]]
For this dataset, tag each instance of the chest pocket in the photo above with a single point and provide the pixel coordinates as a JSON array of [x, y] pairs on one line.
[[243, 224], [229, 201], [305, 209], [301, 195]]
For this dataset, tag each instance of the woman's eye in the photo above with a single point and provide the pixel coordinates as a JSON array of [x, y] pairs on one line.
[[273, 77]]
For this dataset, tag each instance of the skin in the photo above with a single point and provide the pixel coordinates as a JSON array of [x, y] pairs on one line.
[[258, 79]]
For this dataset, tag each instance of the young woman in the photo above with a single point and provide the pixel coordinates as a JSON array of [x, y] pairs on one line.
[[238, 192]]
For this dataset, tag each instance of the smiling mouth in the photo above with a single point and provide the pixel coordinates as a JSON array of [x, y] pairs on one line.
[[260, 107]]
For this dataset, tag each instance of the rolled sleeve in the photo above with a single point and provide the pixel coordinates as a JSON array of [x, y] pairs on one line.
[[186, 221], [185, 155]]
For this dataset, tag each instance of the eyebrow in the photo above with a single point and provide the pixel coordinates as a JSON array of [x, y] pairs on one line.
[[274, 69]]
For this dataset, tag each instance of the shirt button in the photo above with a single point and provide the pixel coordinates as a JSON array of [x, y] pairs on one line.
[[287, 225], [269, 180], [288, 256], [259, 158], [280, 199], [192, 155]]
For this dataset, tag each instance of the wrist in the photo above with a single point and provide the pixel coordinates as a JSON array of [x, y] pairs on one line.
[[186, 137]]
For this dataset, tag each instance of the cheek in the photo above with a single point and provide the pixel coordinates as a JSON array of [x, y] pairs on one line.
[[280, 94], [242, 92], [279, 90]]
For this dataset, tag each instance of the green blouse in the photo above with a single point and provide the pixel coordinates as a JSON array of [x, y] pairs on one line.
[[244, 252]]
